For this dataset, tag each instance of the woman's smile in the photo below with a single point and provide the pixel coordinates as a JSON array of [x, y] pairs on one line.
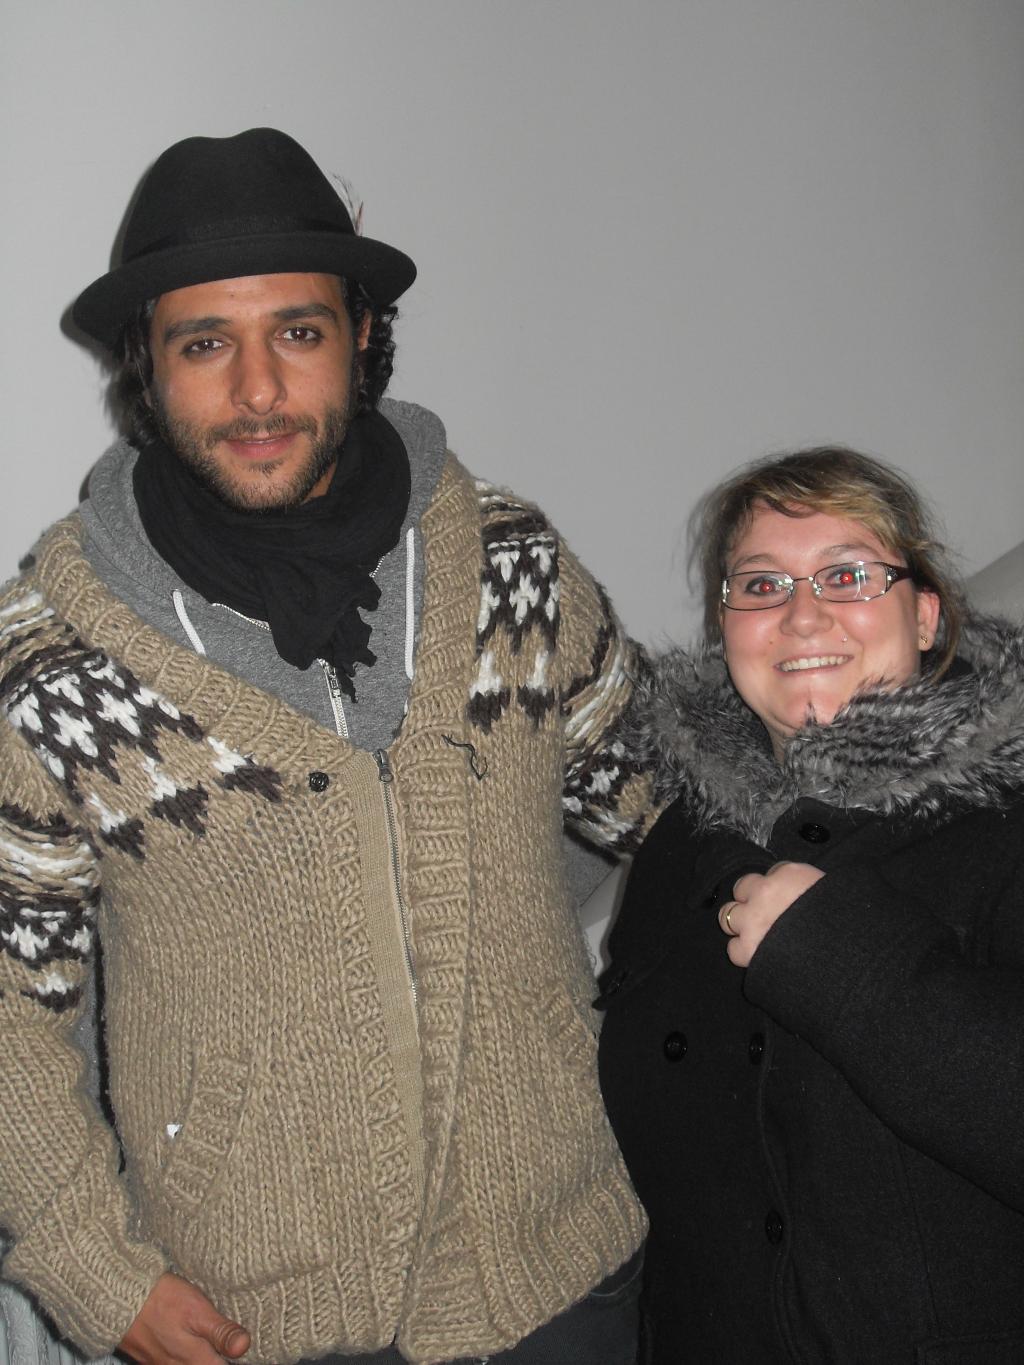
[[805, 662]]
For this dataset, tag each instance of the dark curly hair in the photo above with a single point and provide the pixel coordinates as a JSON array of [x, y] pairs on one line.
[[133, 363]]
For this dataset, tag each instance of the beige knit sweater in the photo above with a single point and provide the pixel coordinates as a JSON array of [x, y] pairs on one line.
[[351, 1049]]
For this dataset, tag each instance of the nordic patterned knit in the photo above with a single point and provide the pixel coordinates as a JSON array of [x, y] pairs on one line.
[[351, 1050]]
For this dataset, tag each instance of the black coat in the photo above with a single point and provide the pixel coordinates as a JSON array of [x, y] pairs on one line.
[[830, 1145]]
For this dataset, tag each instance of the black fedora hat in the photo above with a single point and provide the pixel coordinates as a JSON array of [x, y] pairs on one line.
[[215, 208]]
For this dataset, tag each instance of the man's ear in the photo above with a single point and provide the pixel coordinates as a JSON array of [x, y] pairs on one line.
[[363, 335]]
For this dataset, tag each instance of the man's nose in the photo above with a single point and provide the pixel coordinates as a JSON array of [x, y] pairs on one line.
[[257, 380]]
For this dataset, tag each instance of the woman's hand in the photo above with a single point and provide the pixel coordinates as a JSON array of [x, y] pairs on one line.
[[757, 903]]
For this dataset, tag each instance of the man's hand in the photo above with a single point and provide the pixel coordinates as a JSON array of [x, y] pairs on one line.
[[179, 1324], [757, 903]]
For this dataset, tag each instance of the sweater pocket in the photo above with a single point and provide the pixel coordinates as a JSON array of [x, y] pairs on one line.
[[536, 1112], [195, 1149], [285, 1163], [567, 1026]]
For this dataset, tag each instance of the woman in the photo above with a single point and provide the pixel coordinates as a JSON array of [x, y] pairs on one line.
[[813, 1053]]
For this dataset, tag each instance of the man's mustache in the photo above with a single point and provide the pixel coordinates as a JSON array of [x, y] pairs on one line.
[[256, 429]]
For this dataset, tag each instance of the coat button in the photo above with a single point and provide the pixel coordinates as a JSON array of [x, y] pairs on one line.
[[755, 1048], [814, 834], [773, 1227], [616, 980], [674, 1047], [318, 781], [611, 986]]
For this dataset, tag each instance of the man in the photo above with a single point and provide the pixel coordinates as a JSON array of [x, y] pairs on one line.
[[290, 710]]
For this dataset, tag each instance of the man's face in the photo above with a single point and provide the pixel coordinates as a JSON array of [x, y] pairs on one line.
[[254, 384]]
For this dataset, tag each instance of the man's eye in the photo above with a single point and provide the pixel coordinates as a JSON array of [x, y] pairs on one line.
[[202, 346], [302, 334]]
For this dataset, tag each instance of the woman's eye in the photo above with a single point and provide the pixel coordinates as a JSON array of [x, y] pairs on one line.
[[846, 576], [763, 586]]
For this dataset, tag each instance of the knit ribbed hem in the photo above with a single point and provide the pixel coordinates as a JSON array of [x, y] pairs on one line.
[[91, 1278], [309, 1315], [541, 1267]]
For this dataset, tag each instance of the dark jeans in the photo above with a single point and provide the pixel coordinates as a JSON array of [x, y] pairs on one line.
[[599, 1330]]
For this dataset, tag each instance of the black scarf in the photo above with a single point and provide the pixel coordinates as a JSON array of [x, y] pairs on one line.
[[305, 571]]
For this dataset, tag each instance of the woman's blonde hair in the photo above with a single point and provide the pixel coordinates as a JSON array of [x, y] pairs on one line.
[[842, 483]]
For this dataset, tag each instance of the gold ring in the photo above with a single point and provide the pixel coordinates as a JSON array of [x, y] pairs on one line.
[[728, 921]]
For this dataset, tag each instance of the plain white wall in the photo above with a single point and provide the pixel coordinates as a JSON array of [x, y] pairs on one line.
[[999, 588], [654, 239]]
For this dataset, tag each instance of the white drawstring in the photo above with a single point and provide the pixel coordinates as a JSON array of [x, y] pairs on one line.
[[186, 624], [410, 598]]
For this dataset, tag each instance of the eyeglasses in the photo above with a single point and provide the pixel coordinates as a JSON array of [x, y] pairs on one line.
[[860, 581]]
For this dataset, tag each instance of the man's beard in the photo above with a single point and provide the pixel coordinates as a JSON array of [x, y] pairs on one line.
[[194, 446]]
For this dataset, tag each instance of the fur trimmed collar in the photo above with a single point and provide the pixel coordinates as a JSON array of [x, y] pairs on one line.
[[919, 751]]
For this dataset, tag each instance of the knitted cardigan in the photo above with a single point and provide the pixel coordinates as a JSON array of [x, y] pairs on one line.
[[341, 1138]]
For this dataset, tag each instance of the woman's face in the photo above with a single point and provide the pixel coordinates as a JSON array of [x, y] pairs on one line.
[[805, 659]]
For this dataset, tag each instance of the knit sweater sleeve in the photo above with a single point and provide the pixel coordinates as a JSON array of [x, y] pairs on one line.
[[62, 1201], [608, 794]]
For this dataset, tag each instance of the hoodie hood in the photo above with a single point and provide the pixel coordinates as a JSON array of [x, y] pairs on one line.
[[120, 553], [923, 750]]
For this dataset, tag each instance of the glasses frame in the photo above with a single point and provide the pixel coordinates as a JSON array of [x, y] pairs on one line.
[[894, 573]]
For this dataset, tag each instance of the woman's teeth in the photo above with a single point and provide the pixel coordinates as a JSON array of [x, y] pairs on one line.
[[815, 661]]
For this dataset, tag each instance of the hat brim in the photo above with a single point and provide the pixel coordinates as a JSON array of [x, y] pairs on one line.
[[102, 309]]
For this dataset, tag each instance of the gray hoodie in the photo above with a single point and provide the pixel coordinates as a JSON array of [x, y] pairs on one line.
[[120, 552]]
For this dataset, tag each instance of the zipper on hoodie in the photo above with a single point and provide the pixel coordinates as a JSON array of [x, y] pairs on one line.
[[337, 705], [387, 776], [329, 672]]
